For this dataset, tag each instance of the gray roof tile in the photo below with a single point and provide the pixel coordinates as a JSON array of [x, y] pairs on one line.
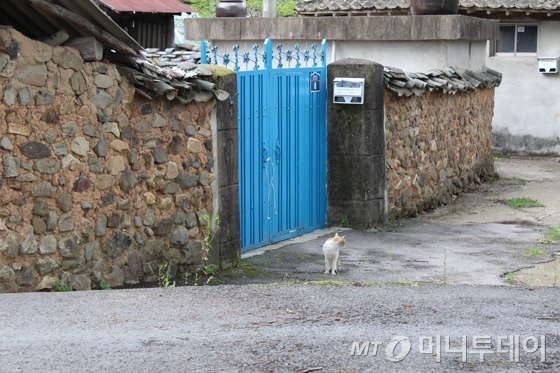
[[449, 80], [307, 6]]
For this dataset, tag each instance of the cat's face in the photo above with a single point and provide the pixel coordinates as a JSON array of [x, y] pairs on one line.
[[339, 239]]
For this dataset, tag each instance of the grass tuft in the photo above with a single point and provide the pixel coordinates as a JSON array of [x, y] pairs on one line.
[[61, 287], [551, 235], [535, 252], [522, 202], [509, 278]]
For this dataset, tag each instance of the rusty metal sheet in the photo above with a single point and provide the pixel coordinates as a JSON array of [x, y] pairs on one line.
[[148, 6]]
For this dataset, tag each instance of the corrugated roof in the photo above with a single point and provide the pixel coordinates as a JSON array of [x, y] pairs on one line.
[[148, 6], [326, 6]]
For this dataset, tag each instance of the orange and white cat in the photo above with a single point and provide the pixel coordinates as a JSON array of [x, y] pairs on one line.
[[330, 249]]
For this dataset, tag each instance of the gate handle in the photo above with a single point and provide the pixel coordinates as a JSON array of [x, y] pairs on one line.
[[265, 156], [278, 151]]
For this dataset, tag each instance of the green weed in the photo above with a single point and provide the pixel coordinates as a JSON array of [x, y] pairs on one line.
[[207, 237], [345, 222], [495, 176], [214, 281], [362, 260], [521, 181], [60, 287], [551, 235], [247, 269], [509, 278], [103, 285], [303, 256], [535, 252], [522, 202], [163, 276]]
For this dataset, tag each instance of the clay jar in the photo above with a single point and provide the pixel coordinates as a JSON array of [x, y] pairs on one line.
[[231, 8], [435, 7]]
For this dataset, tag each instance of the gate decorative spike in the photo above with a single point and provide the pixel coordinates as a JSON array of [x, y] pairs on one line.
[[314, 47], [225, 59], [236, 51], [298, 64], [246, 59], [256, 49], [279, 48], [289, 55], [215, 54], [306, 55]]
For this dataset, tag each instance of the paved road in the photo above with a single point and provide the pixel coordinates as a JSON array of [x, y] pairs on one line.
[[282, 328], [294, 327]]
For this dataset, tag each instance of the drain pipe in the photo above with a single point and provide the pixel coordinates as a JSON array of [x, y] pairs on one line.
[[333, 51]]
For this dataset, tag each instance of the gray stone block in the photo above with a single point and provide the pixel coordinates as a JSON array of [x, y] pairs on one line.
[[48, 265], [91, 250], [356, 178], [25, 278], [70, 247], [118, 243], [355, 132], [25, 97], [80, 282], [361, 214]]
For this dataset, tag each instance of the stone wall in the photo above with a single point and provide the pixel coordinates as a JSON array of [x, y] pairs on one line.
[[98, 183], [438, 146]]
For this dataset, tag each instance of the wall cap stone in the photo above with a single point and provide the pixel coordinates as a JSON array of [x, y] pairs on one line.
[[382, 28]]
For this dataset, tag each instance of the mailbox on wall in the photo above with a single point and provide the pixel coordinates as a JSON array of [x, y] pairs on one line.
[[348, 91], [548, 65]]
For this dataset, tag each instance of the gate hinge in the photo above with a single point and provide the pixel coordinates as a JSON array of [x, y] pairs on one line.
[[232, 98]]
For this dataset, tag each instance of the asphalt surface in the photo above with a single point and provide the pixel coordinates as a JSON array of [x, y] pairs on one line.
[[439, 274], [277, 328], [408, 251]]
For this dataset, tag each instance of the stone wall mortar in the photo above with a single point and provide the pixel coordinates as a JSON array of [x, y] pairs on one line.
[[437, 147], [98, 183]]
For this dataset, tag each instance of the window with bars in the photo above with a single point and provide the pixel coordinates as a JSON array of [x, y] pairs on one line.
[[517, 40]]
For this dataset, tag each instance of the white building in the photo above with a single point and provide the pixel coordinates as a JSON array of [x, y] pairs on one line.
[[527, 104]]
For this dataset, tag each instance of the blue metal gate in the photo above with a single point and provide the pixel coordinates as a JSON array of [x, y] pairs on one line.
[[282, 140]]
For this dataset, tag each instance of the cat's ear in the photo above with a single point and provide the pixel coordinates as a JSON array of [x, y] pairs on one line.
[[336, 235], [342, 236]]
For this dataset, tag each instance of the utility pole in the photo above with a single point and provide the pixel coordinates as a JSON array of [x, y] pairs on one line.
[[269, 8]]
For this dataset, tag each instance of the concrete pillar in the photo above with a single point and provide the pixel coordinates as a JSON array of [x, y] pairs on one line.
[[225, 188], [356, 149]]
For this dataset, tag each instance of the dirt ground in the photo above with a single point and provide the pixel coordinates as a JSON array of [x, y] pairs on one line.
[[476, 240], [534, 177]]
